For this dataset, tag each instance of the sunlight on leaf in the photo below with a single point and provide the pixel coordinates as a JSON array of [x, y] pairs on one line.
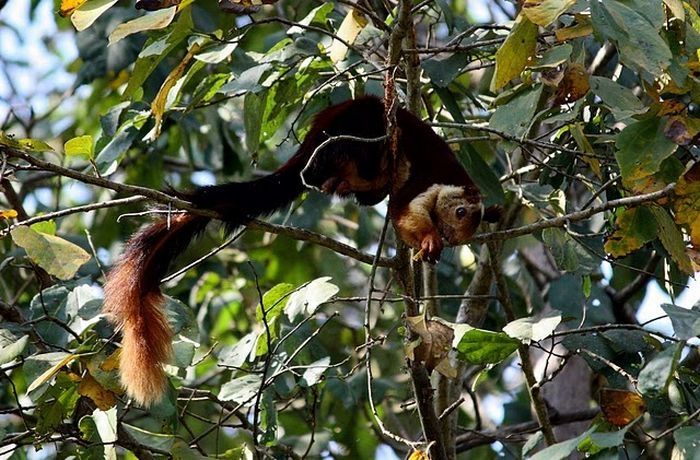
[[57, 256], [545, 12], [516, 52], [87, 13], [349, 29], [51, 372], [151, 21]]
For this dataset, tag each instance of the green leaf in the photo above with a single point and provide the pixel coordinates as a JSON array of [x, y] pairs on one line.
[[236, 355], [314, 371], [306, 300], [688, 441], [672, 239], [569, 255], [532, 443], [515, 52], [87, 14], [656, 375], [216, 54], [248, 81], [274, 301], [553, 57], [442, 71], [241, 390], [54, 369], [57, 256], [48, 227], [635, 228], [638, 41], [49, 416], [561, 450], [253, 111], [601, 441], [34, 145], [483, 175], [154, 51], [479, 346], [545, 12], [106, 425], [641, 147], [110, 155], [586, 286], [150, 21], [81, 146], [515, 117], [149, 439], [686, 322], [10, 346], [620, 100], [318, 15], [532, 329], [268, 419]]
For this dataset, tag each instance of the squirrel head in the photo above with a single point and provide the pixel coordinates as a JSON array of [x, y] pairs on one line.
[[458, 212]]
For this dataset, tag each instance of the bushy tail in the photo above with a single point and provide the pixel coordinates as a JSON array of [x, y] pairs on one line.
[[133, 299], [132, 294], [240, 202], [134, 303]]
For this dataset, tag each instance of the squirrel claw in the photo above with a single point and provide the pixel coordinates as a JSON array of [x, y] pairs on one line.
[[430, 249]]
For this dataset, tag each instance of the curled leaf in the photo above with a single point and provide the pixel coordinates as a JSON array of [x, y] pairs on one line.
[[8, 214], [435, 341], [620, 407]]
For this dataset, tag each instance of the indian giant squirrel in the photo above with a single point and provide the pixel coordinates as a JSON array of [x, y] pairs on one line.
[[431, 199]]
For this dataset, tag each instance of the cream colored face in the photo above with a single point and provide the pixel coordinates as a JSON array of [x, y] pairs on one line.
[[458, 214]]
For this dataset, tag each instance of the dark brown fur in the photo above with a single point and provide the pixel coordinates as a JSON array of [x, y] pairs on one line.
[[423, 218]]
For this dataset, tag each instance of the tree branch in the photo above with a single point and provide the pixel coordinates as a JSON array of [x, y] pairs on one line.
[[536, 398], [575, 216], [515, 433]]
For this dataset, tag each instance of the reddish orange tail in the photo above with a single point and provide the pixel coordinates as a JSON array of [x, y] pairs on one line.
[[134, 303]]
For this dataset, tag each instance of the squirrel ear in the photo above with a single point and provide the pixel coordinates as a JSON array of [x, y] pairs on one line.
[[492, 214]]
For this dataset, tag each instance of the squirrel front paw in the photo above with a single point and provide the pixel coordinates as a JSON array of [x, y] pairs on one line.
[[430, 248]]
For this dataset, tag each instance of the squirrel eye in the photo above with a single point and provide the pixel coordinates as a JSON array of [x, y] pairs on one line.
[[461, 212]]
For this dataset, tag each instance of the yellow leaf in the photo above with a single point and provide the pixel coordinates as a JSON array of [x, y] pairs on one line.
[[112, 362], [635, 228], [158, 104], [581, 29], [50, 372], [8, 214], [686, 204], [545, 12], [584, 145], [57, 256], [68, 6], [621, 407], [349, 29], [103, 398], [419, 455], [515, 53]]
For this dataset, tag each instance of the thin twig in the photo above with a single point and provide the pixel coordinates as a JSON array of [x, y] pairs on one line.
[[536, 398]]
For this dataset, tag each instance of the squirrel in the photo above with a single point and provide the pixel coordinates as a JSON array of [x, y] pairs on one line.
[[432, 200]]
